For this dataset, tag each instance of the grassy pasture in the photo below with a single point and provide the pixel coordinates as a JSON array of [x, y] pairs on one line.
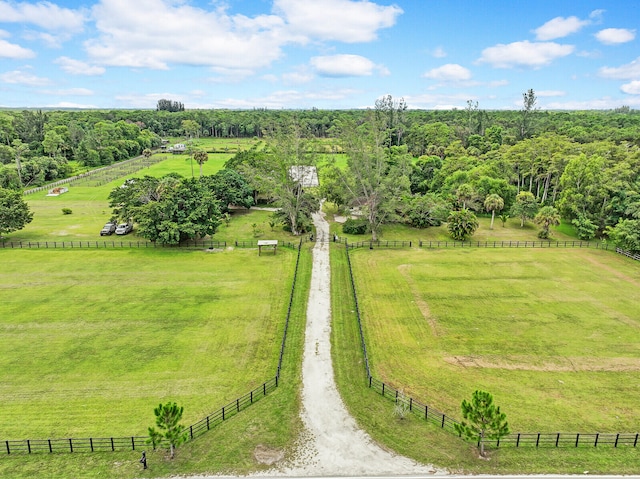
[[94, 339], [414, 437], [554, 334]]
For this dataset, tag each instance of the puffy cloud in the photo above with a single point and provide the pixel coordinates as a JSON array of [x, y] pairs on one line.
[[559, 27], [345, 66], [525, 54], [46, 15], [550, 93], [632, 88], [630, 71], [11, 50], [449, 72], [614, 36], [19, 77], [342, 20], [182, 34], [76, 67], [69, 92]]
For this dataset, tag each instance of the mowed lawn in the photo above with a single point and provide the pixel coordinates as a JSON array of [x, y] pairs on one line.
[[553, 334], [93, 340]]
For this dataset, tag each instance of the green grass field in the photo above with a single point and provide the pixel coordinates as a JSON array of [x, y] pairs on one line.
[[397, 351], [552, 333], [94, 339]]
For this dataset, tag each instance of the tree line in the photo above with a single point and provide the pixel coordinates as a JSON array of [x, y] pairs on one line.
[[405, 165]]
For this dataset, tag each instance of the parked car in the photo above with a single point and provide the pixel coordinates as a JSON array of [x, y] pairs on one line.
[[108, 229], [124, 228]]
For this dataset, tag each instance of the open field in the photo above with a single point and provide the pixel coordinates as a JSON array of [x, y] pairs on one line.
[[414, 437], [553, 334], [93, 340]]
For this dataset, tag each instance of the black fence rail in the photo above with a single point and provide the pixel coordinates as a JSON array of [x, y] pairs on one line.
[[108, 244], [254, 244], [131, 443], [556, 439], [232, 408], [628, 254], [378, 244], [514, 244], [363, 344], [286, 323], [91, 444]]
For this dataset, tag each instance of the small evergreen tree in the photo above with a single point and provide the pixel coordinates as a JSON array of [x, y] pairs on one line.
[[485, 420], [170, 431]]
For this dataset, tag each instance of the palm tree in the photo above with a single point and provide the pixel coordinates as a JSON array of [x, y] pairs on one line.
[[493, 203], [547, 216], [201, 157]]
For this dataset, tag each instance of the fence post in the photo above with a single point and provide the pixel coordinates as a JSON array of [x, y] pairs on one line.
[[595, 444], [71, 444], [538, 440], [382, 389], [635, 442], [8, 450], [191, 431], [223, 413], [133, 444], [410, 404], [29, 446], [577, 438], [518, 441], [617, 437], [557, 439], [49, 441], [370, 378], [112, 446], [443, 416], [238, 404]]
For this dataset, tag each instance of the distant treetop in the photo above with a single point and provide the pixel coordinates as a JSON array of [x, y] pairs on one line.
[[169, 105]]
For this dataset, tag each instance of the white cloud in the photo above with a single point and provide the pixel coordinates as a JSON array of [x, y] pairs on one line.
[[439, 52], [632, 88], [605, 103], [345, 66], [156, 33], [44, 14], [342, 20], [69, 92], [297, 77], [288, 99], [630, 71], [559, 27], [524, 54], [76, 67], [11, 50], [550, 93], [19, 77], [614, 36], [449, 72], [67, 104], [4, 34]]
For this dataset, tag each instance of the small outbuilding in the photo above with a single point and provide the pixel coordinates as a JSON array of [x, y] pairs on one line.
[[269, 244]]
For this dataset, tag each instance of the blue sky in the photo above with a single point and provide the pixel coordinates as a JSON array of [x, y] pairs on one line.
[[436, 54]]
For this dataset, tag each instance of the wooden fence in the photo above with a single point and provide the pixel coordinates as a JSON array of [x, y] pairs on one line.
[[191, 244], [474, 244], [628, 254], [443, 421]]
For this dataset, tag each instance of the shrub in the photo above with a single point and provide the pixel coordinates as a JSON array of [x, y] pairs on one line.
[[355, 227], [66, 211]]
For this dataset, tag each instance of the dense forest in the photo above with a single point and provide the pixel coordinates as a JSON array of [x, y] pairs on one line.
[[585, 164]]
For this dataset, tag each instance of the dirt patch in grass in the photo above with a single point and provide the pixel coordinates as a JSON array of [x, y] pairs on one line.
[[612, 270], [525, 363], [267, 455], [420, 303]]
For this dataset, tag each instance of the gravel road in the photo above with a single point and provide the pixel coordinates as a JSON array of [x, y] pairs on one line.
[[333, 445]]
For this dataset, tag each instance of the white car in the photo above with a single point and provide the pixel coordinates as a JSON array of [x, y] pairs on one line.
[[124, 228]]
